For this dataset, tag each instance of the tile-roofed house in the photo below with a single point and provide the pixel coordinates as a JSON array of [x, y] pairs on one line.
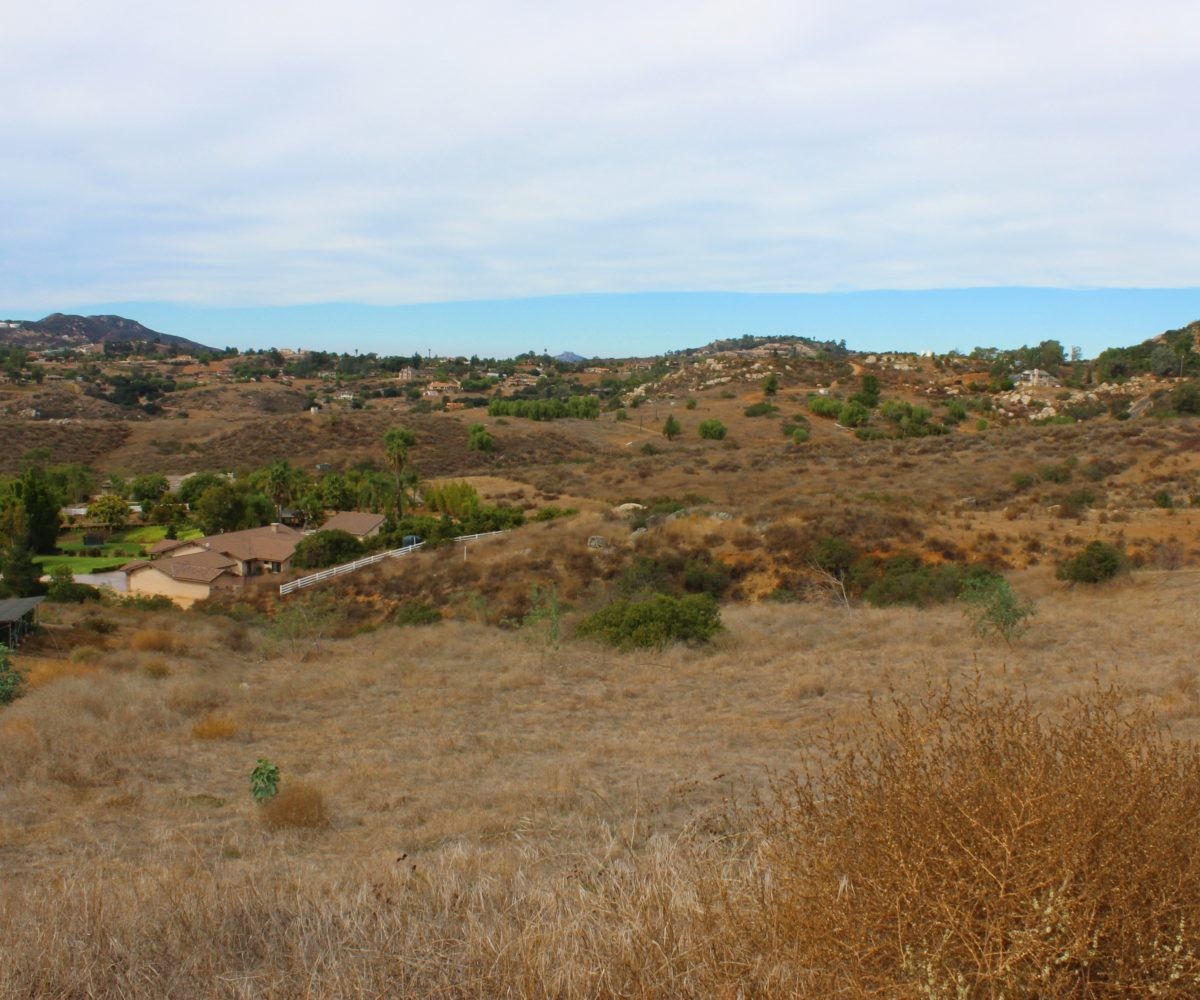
[[188, 571], [256, 550], [358, 523], [184, 579]]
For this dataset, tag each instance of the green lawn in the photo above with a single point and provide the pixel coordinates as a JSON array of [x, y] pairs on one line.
[[82, 564], [122, 547]]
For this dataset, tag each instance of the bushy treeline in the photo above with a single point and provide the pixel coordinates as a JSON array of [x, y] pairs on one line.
[[579, 407]]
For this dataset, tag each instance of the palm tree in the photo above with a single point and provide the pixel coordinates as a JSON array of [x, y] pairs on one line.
[[396, 442]]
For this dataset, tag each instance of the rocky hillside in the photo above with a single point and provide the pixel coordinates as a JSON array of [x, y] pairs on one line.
[[63, 331]]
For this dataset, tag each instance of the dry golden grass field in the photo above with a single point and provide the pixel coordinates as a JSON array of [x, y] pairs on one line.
[[826, 801], [495, 813]]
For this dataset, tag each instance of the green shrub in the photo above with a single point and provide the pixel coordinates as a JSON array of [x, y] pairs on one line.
[[1163, 499], [823, 406], [672, 428], [264, 781], [691, 402], [478, 438], [1097, 562], [981, 425], [1054, 472], [674, 572], [12, 684], [869, 433], [956, 413], [64, 590], [416, 613], [1022, 480], [621, 415], [799, 435], [834, 556], [712, 430], [853, 414], [656, 621], [907, 579], [760, 409], [994, 608], [326, 548], [1076, 502]]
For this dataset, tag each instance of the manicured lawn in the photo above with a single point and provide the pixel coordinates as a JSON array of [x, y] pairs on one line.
[[82, 564], [122, 547]]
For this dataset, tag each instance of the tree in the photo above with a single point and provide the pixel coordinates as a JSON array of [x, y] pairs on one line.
[[334, 493], [280, 483], [40, 505], [326, 548], [224, 508], [995, 609], [770, 385], [712, 430], [190, 489], [1181, 347], [148, 489], [110, 510], [396, 443], [672, 429], [22, 577]]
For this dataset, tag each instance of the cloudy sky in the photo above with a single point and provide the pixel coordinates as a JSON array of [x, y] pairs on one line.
[[266, 154]]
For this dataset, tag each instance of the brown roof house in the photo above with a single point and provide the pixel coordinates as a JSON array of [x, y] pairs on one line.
[[189, 571], [358, 523]]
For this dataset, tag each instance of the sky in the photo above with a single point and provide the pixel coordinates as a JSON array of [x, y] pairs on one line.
[[514, 162]]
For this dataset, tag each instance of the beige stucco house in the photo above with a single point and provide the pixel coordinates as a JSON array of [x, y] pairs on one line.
[[189, 571]]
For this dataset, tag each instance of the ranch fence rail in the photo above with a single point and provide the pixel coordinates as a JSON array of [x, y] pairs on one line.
[[328, 574]]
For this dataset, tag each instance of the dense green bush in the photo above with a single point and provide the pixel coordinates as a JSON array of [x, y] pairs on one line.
[[656, 621], [326, 548], [580, 407], [712, 430], [761, 409], [64, 590], [1097, 562], [853, 414], [416, 613], [905, 578], [12, 684], [478, 438], [674, 572], [823, 406]]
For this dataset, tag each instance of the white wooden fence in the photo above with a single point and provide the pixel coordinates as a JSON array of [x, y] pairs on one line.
[[328, 574]]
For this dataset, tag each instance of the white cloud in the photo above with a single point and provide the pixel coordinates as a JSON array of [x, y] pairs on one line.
[[272, 153]]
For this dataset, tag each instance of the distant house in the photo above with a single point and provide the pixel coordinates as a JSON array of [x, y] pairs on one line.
[[184, 579], [361, 525], [189, 571], [442, 388], [1035, 377]]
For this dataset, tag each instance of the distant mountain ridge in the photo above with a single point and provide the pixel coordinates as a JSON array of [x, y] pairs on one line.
[[64, 331]]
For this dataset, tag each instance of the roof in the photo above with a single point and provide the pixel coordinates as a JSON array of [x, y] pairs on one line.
[[196, 567], [356, 522], [274, 543], [15, 608], [166, 545]]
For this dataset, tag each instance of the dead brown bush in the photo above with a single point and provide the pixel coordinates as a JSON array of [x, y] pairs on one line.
[[298, 805], [970, 847], [154, 640]]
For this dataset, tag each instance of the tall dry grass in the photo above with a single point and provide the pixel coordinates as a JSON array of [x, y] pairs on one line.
[[507, 816]]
